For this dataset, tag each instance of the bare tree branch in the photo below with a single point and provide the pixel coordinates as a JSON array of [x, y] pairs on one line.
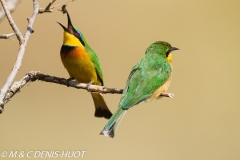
[[9, 89], [64, 3], [11, 5], [11, 22], [35, 75], [22, 48], [7, 36], [47, 9], [23, 43], [50, 8]]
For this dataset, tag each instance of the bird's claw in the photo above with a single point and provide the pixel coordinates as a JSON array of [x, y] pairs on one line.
[[88, 86], [170, 95], [68, 80]]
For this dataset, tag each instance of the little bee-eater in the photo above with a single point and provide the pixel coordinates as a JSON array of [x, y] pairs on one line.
[[82, 64], [149, 78]]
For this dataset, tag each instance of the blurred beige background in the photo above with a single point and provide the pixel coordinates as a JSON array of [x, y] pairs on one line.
[[202, 122]]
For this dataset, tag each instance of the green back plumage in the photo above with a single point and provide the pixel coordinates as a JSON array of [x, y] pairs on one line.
[[95, 62], [151, 73], [91, 53], [147, 76]]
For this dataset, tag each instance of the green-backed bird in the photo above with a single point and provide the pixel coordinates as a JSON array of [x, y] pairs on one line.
[[149, 78], [82, 64]]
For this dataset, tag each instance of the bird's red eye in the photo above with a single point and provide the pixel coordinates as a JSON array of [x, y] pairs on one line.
[[77, 35]]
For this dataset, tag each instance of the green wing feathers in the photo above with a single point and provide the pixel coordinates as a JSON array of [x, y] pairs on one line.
[[95, 61], [145, 78]]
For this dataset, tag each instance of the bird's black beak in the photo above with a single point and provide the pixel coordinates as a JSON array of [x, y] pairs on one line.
[[70, 26], [174, 48], [64, 28]]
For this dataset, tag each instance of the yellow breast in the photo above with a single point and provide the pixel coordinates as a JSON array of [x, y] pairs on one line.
[[79, 66], [160, 90]]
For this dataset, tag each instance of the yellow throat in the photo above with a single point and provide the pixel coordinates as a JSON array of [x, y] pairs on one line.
[[70, 40], [169, 58]]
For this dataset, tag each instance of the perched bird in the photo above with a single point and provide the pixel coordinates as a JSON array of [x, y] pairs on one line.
[[82, 64], [149, 78]]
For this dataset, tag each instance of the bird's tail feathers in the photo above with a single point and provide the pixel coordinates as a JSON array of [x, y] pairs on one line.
[[112, 124], [101, 109]]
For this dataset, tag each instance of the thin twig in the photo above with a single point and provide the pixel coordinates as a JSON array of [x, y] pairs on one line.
[[12, 23], [46, 9], [35, 75], [64, 3], [49, 5], [21, 52], [23, 43], [11, 4], [50, 8], [7, 36]]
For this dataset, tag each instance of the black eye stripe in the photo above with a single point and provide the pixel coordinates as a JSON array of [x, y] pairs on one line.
[[79, 37], [81, 41], [168, 52]]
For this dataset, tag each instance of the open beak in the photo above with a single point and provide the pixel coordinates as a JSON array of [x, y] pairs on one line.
[[64, 28], [70, 28]]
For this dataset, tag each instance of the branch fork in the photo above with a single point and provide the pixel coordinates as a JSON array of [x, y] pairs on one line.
[[10, 89]]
